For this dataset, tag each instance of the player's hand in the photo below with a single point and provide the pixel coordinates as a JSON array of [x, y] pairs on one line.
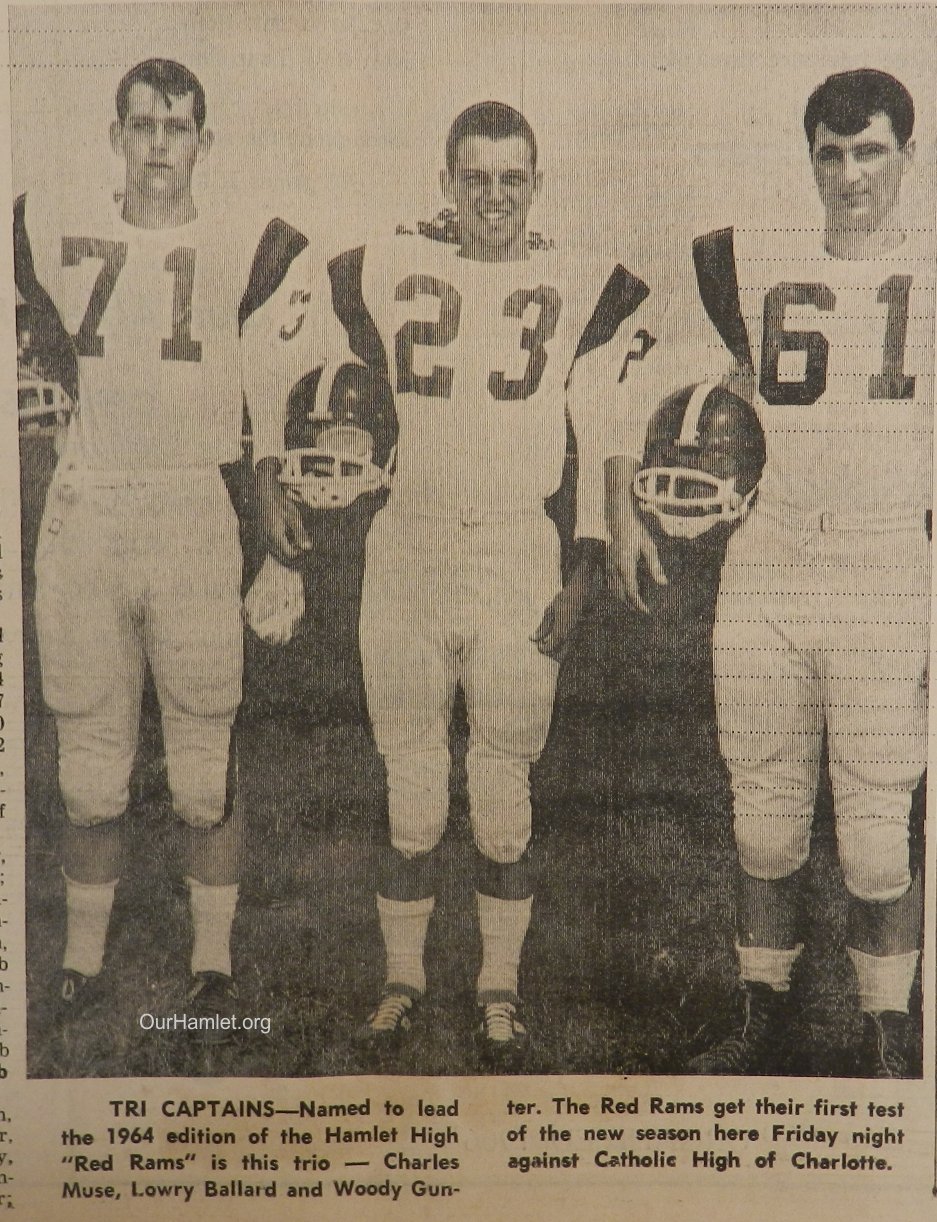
[[629, 555], [281, 522], [631, 550], [565, 611], [275, 603]]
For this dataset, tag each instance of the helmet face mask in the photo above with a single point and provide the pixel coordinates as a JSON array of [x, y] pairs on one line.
[[686, 502], [340, 437], [703, 460]]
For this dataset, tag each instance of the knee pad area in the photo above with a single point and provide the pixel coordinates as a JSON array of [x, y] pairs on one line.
[[201, 754], [418, 800], [876, 868], [414, 837], [201, 806], [93, 795], [499, 801], [499, 843], [772, 847]]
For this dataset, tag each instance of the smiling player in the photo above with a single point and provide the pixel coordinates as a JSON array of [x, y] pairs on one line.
[[138, 558], [462, 582]]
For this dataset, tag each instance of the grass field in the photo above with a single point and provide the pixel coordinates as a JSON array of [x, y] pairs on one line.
[[630, 949]]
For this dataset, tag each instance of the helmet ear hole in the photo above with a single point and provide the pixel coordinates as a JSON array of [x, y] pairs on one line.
[[703, 460]]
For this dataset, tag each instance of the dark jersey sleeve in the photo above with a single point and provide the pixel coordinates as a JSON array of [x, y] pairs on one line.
[[622, 295], [279, 245], [717, 278], [55, 345], [345, 275]]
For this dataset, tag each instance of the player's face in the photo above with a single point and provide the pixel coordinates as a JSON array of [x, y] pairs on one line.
[[160, 144], [859, 177], [492, 186]]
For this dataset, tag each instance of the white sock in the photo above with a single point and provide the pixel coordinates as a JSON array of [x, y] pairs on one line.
[[884, 980], [212, 910], [404, 924], [768, 965], [88, 911], [503, 926]]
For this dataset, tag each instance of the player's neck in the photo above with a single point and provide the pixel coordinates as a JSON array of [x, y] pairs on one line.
[[864, 244], [515, 253], [167, 213]]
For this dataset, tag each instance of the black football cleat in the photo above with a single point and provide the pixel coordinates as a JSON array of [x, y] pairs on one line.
[[391, 1020], [753, 1047], [501, 1036], [75, 993], [884, 1051], [212, 996]]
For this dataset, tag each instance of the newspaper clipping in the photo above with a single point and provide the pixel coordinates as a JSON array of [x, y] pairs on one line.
[[465, 611]]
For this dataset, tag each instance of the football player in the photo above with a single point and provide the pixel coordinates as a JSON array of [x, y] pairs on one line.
[[487, 345], [138, 560], [822, 616]]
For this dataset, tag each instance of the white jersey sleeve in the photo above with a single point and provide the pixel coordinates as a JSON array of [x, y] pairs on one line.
[[291, 334], [677, 347], [600, 388]]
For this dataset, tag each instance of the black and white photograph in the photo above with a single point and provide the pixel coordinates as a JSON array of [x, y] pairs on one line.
[[475, 486]]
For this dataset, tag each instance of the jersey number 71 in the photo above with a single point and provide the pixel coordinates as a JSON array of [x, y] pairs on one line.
[[180, 263]]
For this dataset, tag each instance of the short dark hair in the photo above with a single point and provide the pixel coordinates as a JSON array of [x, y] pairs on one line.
[[847, 102], [494, 121], [168, 78]]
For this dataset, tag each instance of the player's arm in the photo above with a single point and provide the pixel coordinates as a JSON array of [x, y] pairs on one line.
[[632, 551], [281, 340], [587, 415], [611, 390], [647, 373], [687, 351], [566, 609], [590, 392], [56, 349]]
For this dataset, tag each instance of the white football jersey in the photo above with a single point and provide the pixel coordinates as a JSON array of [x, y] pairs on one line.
[[481, 359], [839, 355], [153, 315], [480, 355]]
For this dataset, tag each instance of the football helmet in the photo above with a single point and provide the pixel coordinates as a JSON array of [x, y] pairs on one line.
[[703, 459], [42, 402], [341, 436]]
